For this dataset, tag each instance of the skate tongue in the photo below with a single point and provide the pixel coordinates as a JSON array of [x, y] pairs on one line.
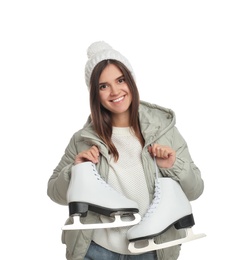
[[77, 225], [152, 246]]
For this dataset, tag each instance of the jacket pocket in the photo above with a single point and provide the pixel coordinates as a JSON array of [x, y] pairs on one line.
[[69, 238]]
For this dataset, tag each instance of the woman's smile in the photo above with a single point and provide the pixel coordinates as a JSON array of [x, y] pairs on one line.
[[118, 99]]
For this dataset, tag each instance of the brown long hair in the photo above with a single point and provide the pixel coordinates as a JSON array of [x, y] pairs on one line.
[[101, 117]]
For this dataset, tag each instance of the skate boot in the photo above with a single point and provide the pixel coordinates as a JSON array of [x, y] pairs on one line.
[[170, 206], [87, 191]]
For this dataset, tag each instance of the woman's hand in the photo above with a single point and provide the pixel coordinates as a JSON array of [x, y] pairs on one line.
[[91, 155], [165, 156]]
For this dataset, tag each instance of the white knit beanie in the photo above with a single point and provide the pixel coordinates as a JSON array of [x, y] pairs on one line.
[[99, 51]]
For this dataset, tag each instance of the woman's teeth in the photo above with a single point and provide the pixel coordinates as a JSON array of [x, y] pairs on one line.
[[118, 99]]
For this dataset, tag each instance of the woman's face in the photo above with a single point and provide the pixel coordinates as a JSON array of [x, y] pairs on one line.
[[114, 93]]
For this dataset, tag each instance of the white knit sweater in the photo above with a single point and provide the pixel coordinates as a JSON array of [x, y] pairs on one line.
[[127, 177]]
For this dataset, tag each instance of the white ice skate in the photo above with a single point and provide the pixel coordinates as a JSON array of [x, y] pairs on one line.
[[170, 206], [88, 191]]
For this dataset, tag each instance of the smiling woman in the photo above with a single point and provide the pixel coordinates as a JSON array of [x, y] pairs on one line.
[[136, 147], [115, 95]]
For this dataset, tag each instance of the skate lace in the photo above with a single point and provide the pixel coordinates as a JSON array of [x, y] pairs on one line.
[[155, 201], [97, 175], [100, 179], [157, 196]]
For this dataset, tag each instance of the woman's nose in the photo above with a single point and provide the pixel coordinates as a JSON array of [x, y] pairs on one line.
[[114, 89]]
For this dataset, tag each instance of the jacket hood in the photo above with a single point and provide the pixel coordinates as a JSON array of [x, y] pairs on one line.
[[155, 120]]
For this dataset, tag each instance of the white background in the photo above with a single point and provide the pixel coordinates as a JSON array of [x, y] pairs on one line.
[[187, 55]]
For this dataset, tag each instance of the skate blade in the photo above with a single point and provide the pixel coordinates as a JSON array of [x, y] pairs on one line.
[[152, 246], [77, 225]]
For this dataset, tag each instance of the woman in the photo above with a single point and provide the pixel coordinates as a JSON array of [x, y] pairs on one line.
[[121, 137]]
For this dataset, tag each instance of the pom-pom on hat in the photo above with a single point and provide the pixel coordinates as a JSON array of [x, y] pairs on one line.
[[99, 51]]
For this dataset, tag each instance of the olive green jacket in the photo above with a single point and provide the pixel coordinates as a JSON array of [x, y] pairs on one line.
[[157, 126]]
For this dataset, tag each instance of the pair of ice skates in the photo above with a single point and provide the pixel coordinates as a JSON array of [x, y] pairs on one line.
[[89, 192]]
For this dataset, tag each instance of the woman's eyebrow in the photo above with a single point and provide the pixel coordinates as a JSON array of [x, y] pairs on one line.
[[122, 76]]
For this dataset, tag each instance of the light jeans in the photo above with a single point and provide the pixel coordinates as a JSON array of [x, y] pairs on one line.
[[96, 252]]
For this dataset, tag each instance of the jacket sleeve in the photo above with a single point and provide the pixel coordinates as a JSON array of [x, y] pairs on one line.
[[184, 169], [59, 180]]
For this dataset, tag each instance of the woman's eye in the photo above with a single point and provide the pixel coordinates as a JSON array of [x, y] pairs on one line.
[[121, 80], [102, 87]]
